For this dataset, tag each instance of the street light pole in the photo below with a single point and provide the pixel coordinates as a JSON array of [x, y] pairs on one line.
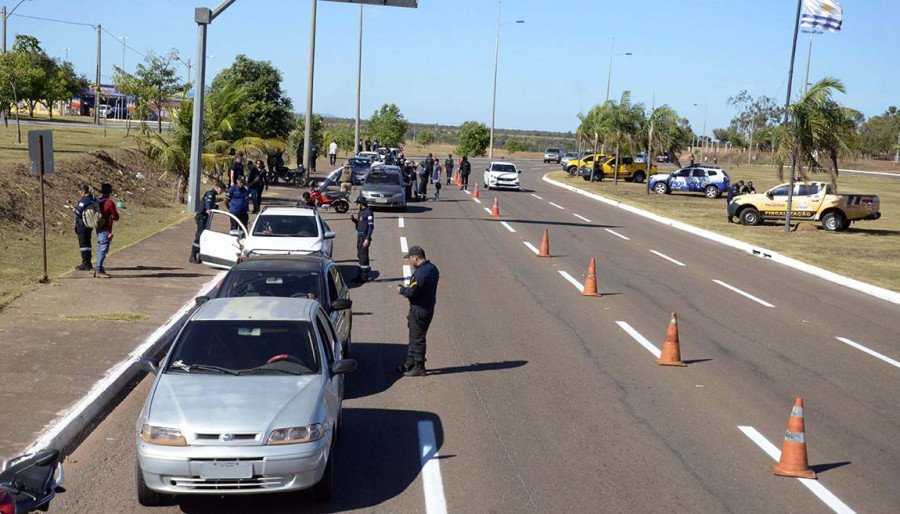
[[307, 131], [496, 62], [67, 53], [358, 81], [97, 90], [809, 58], [702, 137], [4, 15]]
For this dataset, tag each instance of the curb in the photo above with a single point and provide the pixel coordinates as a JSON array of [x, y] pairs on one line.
[[869, 289], [61, 432]]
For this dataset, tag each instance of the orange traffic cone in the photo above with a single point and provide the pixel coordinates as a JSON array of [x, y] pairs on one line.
[[545, 245], [495, 210], [671, 354], [475, 194], [793, 461], [590, 283]]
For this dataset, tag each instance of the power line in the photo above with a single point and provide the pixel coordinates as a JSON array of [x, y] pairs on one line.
[[56, 21], [119, 41]]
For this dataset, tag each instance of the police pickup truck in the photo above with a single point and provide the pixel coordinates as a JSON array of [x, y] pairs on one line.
[[812, 201]]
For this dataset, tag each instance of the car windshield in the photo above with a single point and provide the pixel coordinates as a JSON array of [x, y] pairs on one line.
[[552, 150], [286, 226], [503, 168], [286, 284], [359, 161], [383, 178], [237, 347]]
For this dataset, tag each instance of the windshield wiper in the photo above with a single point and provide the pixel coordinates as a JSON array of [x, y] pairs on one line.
[[204, 367]]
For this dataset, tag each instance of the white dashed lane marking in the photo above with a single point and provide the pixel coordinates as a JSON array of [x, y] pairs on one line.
[[743, 293], [531, 247], [407, 274], [536, 196], [432, 483], [508, 226], [557, 205], [477, 200], [487, 210], [579, 216], [639, 338], [613, 232], [666, 257], [404, 246], [578, 285], [401, 223], [871, 352]]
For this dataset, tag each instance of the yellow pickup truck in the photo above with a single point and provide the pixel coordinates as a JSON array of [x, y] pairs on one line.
[[628, 168], [812, 201], [587, 161]]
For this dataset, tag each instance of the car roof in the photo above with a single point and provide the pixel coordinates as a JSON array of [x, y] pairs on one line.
[[384, 168], [501, 162], [283, 263], [257, 308], [288, 211]]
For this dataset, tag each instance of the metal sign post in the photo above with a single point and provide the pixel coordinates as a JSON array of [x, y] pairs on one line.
[[40, 150]]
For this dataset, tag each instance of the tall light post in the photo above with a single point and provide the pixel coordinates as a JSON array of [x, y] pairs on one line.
[[496, 61], [809, 57], [4, 16], [120, 101], [358, 82], [703, 135], [67, 53], [612, 49]]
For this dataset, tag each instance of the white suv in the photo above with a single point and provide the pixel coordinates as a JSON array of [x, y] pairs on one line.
[[275, 231], [501, 175]]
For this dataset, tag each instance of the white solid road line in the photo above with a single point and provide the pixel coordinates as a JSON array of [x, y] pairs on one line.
[[508, 226], [432, 483], [873, 353], [743, 293], [531, 247], [557, 205], [404, 246], [401, 223], [578, 285], [477, 200], [536, 196], [666, 257], [613, 232], [407, 274], [579, 216], [639, 338], [813, 485], [467, 191], [488, 210]]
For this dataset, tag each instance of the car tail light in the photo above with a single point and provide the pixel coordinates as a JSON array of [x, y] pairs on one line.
[[7, 504]]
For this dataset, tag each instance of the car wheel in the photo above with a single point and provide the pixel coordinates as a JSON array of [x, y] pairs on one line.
[[321, 492], [146, 496], [833, 221], [341, 206], [302, 182], [661, 188], [558, 160], [711, 192], [750, 217], [638, 177], [571, 170]]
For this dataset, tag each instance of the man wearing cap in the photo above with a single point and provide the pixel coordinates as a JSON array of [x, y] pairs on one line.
[[365, 225], [422, 295], [208, 204], [108, 214]]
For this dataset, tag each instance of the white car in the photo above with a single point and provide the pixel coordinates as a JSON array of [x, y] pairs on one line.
[[372, 156], [275, 231], [501, 175]]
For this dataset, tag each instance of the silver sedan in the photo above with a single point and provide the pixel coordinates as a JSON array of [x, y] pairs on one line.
[[246, 401]]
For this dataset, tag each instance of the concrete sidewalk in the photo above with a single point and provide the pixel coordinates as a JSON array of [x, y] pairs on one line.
[[55, 345]]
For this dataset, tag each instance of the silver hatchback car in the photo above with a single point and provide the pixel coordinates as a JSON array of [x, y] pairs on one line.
[[246, 401]]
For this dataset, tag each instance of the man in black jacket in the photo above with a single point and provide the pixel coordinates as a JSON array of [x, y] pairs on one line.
[[465, 168], [422, 295], [84, 232], [207, 204], [365, 225]]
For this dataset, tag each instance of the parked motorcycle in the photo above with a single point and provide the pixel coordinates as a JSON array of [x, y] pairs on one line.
[[297, 177], [339, 200], [30, 481]]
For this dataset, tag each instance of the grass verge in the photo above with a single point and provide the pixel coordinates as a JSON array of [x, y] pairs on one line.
[[75, 139], [868, 251]]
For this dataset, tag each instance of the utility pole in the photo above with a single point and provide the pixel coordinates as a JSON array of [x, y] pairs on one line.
[[494, 100], [897, 153], [359, 84], [787, 105], [3, 17], [307, 131], [97, 90]]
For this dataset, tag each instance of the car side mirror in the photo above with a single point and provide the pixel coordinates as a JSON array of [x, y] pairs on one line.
[[330, 234], [148, 365], [343, 366], [769, 196], [341, 304], [520, 172], [200, 300]]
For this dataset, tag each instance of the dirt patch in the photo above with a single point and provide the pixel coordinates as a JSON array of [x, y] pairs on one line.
[[109, 316], [805, 227]]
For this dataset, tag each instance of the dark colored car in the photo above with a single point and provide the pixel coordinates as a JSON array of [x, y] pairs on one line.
[[385, 187], [359, 168], [294, 276]]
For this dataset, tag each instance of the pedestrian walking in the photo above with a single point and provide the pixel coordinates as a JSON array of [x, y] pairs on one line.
[[448, 166], [108, 214], [84, 232], [332, 153], [436, 180], [365, 225], [692, 158], [465, 168], [237, 168], [425, 173], [255, 183], [237, 199], [733, 191], [422, 295], [202, 216], [313, 156]]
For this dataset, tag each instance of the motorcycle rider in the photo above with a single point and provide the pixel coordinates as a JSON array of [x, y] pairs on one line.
[[365, 225], [208, 204]]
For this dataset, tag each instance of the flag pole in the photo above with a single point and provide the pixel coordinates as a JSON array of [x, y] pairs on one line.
[[787, 105]]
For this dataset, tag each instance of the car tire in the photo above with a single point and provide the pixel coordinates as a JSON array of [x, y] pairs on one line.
[[661, 188], [834, 222], [750, 217], [341, 206], [321, 492], [146, 496], [638, 177], [711, 192], [571, 170]]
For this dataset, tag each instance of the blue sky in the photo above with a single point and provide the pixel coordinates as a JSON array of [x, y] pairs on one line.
[[436, 62]]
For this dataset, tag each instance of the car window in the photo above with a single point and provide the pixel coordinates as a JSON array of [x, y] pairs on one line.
[[627, 160], [283, 284], [272, 225], [589, 158], [332, 288], [781, 190], [379, 177], [713, 173], [682, 173], [324, 328], [221, 223], [339, 281], [246, 346], [807, 189], [699, 173], [503, 168], [828, 189]]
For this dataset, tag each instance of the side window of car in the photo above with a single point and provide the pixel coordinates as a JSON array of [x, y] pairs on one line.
[[627, 160], [339, 282], [699, 173], [326, 336], [681, 173], [781, 190], [713, 173], [589, 158], [332, 287]]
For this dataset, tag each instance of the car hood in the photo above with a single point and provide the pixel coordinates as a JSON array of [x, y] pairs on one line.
[[224, 403], [508, 175], [659, 176], [283, 244], [383, 188]]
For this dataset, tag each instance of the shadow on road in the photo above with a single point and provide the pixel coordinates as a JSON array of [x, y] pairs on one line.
[[821, 468], [478, 366]]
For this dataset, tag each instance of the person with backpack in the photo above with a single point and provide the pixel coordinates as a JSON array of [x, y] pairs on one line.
[[465, 168], [108, 214], [448, 165], [84, 232], [237, 198], [207, 204]]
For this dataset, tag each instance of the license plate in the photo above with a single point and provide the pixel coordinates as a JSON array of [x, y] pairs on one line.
[[381, 200], [226, 469]]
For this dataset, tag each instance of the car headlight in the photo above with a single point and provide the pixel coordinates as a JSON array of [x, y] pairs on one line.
[[162, 436], [295, 435]]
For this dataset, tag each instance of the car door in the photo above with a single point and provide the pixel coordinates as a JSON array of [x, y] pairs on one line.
[[678, 181], [338, 317], [220, 247], [697, 180], [333, 352], [626, 167], [775, 205], [807, 200], [327, 242]]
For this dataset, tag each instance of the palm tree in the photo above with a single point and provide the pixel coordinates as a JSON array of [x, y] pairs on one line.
[[819, 127], [624, 125], [671, 133]]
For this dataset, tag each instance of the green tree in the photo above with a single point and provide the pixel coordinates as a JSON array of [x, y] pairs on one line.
[[755, 114], [342, 134], [880, 135], [159, 81], [273, 112], [388, 125], [426, 137], [671, 134], [624, 125], [33, 85], [15, 69], [317, 137], [513, 146], [64, 84], [473, 139]]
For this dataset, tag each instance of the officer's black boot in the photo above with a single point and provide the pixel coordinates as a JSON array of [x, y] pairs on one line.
[[85, 262], [195, 257], [363, 275], [418, 370]]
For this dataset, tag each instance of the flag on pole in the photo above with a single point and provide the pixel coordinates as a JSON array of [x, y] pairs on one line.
[[822, 14]]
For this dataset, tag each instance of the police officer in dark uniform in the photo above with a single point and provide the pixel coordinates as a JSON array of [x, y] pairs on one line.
[[84, 232], [207, 204], [365, 225], [422, 295]]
